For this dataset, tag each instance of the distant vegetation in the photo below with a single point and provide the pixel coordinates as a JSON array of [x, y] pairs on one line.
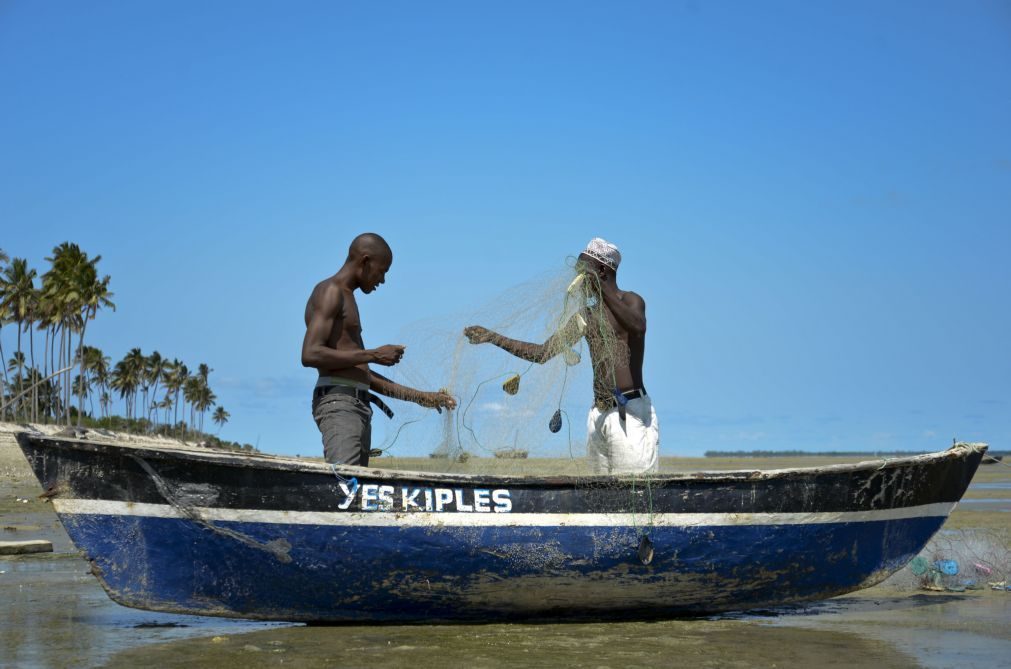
[[51, 366], [833, 454], [512, 454]]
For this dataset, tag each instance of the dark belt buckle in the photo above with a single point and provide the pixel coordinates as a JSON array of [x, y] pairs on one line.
[[622, 398], [322, 391]]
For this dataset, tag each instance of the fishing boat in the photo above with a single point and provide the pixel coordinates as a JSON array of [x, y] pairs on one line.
[[195, 531]]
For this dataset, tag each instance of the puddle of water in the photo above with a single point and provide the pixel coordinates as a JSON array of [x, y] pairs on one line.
[[56, 615], [938, 630], [1006, 502], [695, 643]]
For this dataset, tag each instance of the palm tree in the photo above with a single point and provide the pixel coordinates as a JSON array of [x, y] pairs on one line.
[[19, 300], [121, 381], [81, 388], [63, 299], [4, 258], [16, 366], [72, 284], [205, 400], [16, 363], [191, 391], [60, 297], [49, 395], [165, 404], [96, 366], [220, 417], [175, 378], [104, 401], [126, 378], [136, 364], [49, 319], [154, 371], [203, 371], [204, 397], [96, 295]]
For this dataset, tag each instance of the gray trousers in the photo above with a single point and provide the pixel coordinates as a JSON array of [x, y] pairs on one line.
[[345, 422]]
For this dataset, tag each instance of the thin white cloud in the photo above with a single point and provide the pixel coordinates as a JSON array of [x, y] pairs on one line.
[[501, 410]]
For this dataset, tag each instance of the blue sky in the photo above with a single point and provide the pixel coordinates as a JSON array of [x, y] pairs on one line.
[[812, 198]]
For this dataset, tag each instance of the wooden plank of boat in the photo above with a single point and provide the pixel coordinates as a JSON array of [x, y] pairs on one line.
[[25, 547], [266, 537]]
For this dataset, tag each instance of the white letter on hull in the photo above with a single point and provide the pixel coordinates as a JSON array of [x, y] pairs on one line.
[[386, 497], [502, 502], [349, 494], [369, 496], [409, 498], [460, 506], [442, 497]]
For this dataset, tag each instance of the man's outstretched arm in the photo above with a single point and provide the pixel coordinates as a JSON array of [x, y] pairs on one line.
[[539, 353], [432, 400]]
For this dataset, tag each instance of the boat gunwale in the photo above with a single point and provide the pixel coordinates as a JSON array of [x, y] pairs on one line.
[[287, 463]]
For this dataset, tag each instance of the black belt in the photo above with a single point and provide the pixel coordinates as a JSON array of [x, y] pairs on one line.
[[634, 394], [358, 393], [608, 403]]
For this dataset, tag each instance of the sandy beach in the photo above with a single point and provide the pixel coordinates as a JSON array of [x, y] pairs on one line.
[[58, 616]]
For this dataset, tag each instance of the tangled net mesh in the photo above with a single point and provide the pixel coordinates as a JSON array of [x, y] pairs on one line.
[[959, 559], [519, 417]]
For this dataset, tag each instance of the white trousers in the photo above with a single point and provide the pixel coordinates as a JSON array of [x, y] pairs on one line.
[[631, 446]]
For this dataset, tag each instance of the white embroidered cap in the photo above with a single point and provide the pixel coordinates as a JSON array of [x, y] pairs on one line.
[[604, 251]]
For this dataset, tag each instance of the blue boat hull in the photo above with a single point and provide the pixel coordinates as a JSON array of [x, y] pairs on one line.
[[403, 574], [278, 539]]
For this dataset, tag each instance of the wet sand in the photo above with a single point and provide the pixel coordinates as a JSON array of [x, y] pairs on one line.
[[56, 614]]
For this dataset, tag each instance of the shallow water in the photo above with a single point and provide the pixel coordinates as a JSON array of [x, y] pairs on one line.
[[1005, 504], [59, 617], [56, 615], [997, 485]]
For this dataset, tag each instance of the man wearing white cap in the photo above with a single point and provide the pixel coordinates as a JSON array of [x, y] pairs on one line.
[[624, 435]]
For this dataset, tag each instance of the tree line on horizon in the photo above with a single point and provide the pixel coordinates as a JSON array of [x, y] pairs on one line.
[[41, 384], [799, 453]]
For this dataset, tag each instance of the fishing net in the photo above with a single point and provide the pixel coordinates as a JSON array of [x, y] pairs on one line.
[[513, 416], [959, 559]]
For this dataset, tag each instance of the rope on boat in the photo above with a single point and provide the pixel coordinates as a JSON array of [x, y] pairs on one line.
[[996, 461], [279, 548], [386, 447], [645, 548], [351, 483]]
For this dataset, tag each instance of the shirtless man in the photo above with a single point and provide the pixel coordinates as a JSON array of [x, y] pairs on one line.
[[623, 433], [333, 345]]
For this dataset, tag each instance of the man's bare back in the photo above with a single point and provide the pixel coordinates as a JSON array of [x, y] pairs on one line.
[[616, 352]]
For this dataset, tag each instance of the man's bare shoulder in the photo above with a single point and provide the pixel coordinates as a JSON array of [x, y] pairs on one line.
[[327, 296], [633, 299]]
